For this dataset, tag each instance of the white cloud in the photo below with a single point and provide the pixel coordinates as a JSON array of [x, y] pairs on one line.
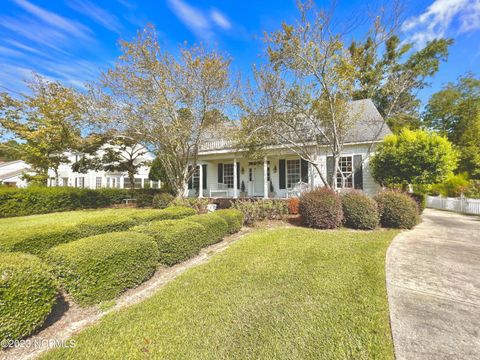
[[197, 20], [220, 19], [441, 18], [96, 13], [67, 25]]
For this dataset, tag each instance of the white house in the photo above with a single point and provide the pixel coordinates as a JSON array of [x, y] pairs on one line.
[[224, 171], [100, 179], [11, 173]]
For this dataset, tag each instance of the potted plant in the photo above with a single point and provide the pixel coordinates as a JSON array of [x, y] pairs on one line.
[[243, 192], [271, 192]]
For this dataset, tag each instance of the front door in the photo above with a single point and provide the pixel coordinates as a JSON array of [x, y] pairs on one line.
[[255, 180]]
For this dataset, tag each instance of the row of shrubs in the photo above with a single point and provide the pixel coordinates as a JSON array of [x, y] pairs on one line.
[[99, 268], [323, 208], [42, 200], [37, 240]]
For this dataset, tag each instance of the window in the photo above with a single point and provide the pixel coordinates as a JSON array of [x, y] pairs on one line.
[[293, 172], [154, 184], [80, 182], [345, 173], [138, 183], [228, 175], [98, 182]]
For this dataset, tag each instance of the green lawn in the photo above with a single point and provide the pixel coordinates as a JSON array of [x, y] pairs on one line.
[[288, 293]]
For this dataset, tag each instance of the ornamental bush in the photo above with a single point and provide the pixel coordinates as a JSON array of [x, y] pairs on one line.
[[216, 227], [177, 240], [38, 239], [321, 208], [28, 292], [397, 210], [420, 199], [359, 211], [99, 268], [293, 205], [200, 205], [258, 210], [161, 201], [233, 217]]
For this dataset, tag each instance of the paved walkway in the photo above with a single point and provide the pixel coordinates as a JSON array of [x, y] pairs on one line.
[[433, 282]]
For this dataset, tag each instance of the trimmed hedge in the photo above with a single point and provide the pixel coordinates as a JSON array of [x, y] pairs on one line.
[[233, 217], [28, 292], [216, 227], [177, 240], [37, 240], [41, 200], [359, 211], [321, 208], [261, 209], [397, 210], [99, 268]]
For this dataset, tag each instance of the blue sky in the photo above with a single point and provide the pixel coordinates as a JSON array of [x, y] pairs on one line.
[[73, 40]]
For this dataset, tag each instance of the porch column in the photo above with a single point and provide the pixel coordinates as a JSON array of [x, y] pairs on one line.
[[265, 178], [122, 185], [200, 183], [235, 195]]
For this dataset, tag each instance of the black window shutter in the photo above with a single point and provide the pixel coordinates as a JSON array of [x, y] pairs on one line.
[[330, 166], [190, 180], [281, 172], [238, 175], [304, 170], [220, 173], [358, 171], [204, 176]]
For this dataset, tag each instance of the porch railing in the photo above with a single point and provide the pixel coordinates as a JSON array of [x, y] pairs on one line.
[[460, 204], [216, 144]]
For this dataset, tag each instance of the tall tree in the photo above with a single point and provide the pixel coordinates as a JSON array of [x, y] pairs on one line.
[[167, 101], [47, 121], [10, 150], [454, 111], [391, 72]]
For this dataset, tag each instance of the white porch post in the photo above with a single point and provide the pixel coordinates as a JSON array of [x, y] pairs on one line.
[[235, 195], [200, 183], [265, 178], [122, 185]]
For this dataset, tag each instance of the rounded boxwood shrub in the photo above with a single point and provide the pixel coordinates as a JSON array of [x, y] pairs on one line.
[[397, 210], [216, 227], [177, 240], [233, 217], [161, 201], [359, 211], [98, 268], [28, 291], [321, 208], [420, 199]]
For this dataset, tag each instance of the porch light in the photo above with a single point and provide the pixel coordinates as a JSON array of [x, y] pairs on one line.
[[243, 171], [275, 169]]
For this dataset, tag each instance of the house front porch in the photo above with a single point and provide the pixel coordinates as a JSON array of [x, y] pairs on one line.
[[236, 177]]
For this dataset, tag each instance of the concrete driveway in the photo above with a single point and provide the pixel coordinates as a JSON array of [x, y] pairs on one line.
[[433, 283]]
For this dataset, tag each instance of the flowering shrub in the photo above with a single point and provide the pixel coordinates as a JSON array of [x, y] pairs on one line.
[[293, 205]]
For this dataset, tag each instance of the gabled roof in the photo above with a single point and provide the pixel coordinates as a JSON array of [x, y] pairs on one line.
[[369, 127]]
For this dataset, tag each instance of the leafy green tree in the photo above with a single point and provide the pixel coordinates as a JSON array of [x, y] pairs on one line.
[[413, 157], [47, 121], [390, 72], [10, 150], [167, 101], [454, 111]]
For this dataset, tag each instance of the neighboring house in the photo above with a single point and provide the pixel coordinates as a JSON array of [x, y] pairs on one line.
[[11, 173], [100, 179], [224, 171]]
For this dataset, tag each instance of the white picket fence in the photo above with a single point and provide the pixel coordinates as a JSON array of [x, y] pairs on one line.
[[461, 204]]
